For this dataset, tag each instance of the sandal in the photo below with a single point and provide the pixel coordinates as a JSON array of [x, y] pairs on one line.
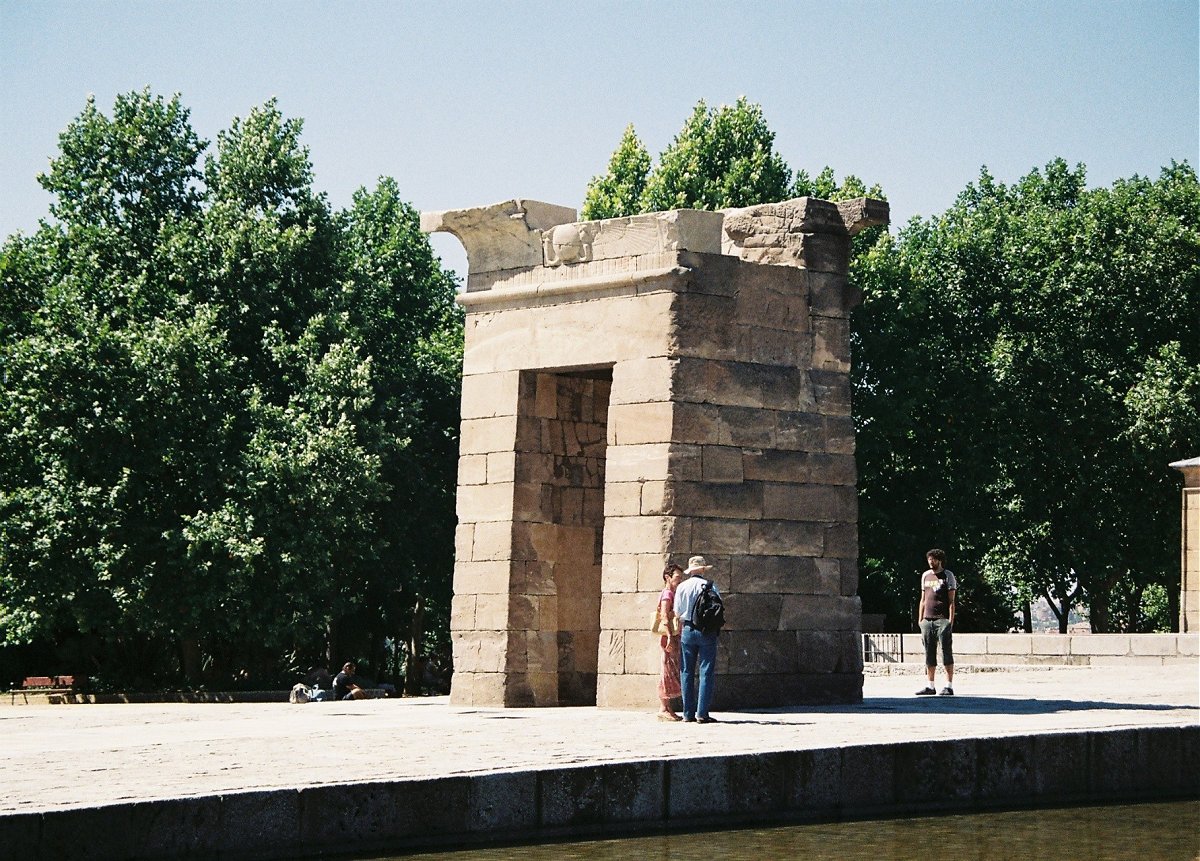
[[667, 716]]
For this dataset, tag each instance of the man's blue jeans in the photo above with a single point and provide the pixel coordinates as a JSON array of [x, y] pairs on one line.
[[699, 652]]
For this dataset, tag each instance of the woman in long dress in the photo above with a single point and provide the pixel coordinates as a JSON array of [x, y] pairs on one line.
[[668, 681]]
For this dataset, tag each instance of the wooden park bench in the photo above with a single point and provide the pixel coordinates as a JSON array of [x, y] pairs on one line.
[[40, 683], [49, 686]]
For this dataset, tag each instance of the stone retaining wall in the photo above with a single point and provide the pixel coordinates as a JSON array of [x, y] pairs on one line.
[[531, 806], [1081, 650]]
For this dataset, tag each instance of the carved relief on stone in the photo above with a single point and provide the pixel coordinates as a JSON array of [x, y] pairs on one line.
[[567, 243]]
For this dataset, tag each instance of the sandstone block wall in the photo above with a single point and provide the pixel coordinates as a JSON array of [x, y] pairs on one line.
[[657, 386], [1189, 562]]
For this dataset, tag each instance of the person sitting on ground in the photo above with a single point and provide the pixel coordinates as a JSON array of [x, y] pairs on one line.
[[345, 685]]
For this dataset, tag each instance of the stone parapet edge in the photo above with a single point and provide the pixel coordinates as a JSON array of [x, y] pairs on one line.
[[1080, 650], [563, 290], [859, 781]]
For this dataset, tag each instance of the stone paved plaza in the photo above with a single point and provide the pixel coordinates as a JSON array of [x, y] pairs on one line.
[[62, 756]]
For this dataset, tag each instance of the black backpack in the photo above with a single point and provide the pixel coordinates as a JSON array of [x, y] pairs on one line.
[[709, 614]]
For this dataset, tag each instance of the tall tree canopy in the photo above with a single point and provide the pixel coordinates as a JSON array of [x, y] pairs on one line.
[[1027, 365], [228, 413], [722, 157]]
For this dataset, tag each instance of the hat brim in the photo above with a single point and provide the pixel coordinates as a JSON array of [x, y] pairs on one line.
[[698, 568]]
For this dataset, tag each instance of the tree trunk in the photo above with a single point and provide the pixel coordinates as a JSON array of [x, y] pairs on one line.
[[415, 666], [189, 653], [1027, 617], [1062, 615], [331, 646]]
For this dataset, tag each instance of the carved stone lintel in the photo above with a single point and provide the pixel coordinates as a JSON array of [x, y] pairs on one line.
[[504, 235], [863, 212]]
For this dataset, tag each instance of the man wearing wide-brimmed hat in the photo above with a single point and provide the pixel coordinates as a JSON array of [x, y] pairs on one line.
[[699, 649]]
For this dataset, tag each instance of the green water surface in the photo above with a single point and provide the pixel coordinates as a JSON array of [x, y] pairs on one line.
[[1168, 831]]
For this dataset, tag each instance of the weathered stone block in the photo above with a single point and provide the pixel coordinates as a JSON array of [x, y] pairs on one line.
[[831, 345], [627, 611], [868, 779], [620, 573], [1060, 767], [472, 469], [480, 436], [634, 424], [774, 307], [719, 537], [701, 326], [1160, 761], [696, 424], [821, 613], [1100, 644], [838, 434], [741, 426], [482, 577], [809, 502], [502, 802], [701, 788], [829, 295], [750, 612], [760, 783], [639, 381], [572, 796], [1005, 769], [645, 534], [480, 503], [818, 652], [786, 538], [1050, 644], [462, 612], [721, 464], [1113, 761], [1007, 644], [610, 656], [1152, 644], [773, 574], [915, 765], [841, 540], [743, 501], [761, 652], [626, 691], [816, 788], [490, 395], [491, 611], [634, 792]]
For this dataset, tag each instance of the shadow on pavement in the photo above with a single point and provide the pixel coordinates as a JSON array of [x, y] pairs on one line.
[[980, 705]]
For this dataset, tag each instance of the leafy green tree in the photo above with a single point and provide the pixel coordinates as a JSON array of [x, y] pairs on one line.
[[1025, 369], [722, 157], [619, 191], [221, 401]]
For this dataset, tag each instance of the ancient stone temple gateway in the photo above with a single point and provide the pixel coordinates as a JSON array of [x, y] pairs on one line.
[[650, 387]]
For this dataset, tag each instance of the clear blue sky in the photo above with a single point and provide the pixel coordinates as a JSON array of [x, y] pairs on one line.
[[473, 103]]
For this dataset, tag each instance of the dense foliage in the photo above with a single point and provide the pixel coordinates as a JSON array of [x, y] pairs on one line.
[[229, 413], [1027, 365]]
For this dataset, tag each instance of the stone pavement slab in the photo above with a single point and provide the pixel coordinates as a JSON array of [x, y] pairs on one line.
[[63, 757]]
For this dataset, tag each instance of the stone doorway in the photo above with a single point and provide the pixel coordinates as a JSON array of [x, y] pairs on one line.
[[560, 451]]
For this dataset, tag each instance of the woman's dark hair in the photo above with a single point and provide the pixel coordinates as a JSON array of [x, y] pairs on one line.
[[671, 568]]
